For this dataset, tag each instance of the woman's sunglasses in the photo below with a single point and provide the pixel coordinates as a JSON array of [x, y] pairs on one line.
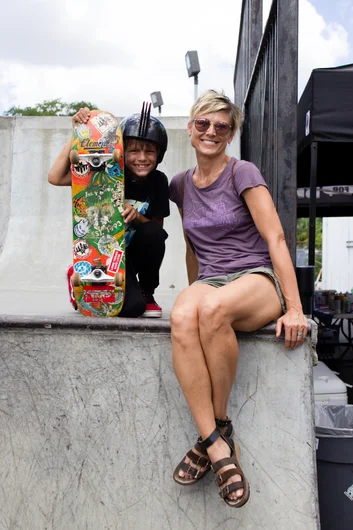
[[203, 124]]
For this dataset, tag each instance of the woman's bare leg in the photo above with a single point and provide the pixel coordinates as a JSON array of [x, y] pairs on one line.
[[188, 358], [219, 313]]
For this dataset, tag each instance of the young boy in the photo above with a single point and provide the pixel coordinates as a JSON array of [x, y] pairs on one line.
[[146, 206]]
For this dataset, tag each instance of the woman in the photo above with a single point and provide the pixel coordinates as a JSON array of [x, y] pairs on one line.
[[241, 277]]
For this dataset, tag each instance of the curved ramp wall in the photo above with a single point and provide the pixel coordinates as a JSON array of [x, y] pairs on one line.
[[94, 423], [35, 217]]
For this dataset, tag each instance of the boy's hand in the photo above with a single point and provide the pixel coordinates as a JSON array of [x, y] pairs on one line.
[[82, 116], [129, 214]]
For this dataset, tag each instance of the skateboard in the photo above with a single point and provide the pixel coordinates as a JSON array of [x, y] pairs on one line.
[[97, 167]]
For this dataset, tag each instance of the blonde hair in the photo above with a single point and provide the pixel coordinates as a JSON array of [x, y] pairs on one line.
[[213, 101]]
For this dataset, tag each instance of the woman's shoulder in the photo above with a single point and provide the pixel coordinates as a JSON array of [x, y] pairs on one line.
[[180, 175], [243, 165], [247, 175], [175, 186]]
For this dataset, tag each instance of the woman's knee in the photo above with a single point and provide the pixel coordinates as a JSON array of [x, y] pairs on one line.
[[212, 314], [183, 321]]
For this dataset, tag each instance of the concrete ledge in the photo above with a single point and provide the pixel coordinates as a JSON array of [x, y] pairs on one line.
[[94, 423], [77, 321]]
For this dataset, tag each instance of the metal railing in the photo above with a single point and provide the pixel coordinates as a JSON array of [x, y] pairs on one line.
[[269, 137]]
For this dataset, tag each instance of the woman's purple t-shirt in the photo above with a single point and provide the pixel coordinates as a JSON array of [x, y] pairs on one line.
[[218, 222]]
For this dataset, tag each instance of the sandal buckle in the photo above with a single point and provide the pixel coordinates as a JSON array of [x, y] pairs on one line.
[[224, 492], [191, 471], [219, 480]]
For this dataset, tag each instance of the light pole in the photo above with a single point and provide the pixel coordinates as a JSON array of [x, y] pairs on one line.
[[193, 68], [157, 101]]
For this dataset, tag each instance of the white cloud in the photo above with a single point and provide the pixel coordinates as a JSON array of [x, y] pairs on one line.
[[321, 44], [116, 53]]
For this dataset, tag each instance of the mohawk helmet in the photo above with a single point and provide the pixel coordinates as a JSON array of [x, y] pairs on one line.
[[143, 126]]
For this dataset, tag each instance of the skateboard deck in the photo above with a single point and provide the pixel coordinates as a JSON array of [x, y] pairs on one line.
[[97, 167]]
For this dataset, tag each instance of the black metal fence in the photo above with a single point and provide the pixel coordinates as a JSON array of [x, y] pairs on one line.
[[269, 137]]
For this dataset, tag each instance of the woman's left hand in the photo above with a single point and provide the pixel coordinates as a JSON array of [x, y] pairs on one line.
[[296, 328]]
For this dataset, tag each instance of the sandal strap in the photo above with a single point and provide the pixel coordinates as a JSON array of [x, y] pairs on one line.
[[223, 423], [216, 466], [197, 459], [234, 486], [200, 448], [190, 470], [226, 475], [210, 440], [230, 442]]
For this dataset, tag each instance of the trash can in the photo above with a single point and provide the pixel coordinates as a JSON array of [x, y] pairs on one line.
[[334, 455]]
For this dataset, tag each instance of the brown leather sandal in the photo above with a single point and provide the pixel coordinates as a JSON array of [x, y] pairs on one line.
[[202, 461], [221, 478]]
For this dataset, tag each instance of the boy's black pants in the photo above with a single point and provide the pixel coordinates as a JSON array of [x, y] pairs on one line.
[[144, 257]]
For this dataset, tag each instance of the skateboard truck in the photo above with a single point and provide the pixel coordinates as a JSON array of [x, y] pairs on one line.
[[94, 159], [96, 276]]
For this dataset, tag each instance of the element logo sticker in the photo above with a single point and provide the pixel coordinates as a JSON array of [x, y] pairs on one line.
[[82, 228], [81, 249], [349, 493]]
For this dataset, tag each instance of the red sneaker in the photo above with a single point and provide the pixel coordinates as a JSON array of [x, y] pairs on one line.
[[69, 273], [153, 310]]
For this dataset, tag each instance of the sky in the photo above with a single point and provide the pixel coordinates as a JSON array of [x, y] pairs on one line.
[[114, 53]]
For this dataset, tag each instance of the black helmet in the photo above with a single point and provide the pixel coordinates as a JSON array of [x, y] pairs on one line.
[[143, 126]]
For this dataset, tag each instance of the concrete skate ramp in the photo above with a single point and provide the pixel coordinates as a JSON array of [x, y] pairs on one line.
[[35, 217], [93, 424]]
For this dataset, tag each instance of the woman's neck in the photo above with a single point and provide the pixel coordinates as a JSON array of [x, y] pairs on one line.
[[208, 170]]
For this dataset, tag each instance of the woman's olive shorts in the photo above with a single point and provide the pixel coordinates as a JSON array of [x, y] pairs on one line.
[[220, 281]]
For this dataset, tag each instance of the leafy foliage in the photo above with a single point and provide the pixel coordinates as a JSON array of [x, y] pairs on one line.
[[303, 239], [52, 107]]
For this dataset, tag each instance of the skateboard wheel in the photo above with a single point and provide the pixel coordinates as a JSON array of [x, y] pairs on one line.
[[76, 282], [74, 159], [119, 279], [116, 156]]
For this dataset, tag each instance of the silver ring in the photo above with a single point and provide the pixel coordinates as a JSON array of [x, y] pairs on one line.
[[299, 335]]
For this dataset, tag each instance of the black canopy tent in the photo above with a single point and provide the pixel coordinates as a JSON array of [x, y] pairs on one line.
[[325, 147]]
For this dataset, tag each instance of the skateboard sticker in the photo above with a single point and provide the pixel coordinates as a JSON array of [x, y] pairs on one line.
[[94, 295], [107, 245], [103, 122], [114, 171], [80, 206], [115, 260], [118, 194], [83, 267], [100, 216], [108, 139], [81, 249], [81, 170], [82, 228], [84, 132]]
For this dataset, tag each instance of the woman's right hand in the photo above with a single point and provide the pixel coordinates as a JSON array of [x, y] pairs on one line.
[[82, 116]]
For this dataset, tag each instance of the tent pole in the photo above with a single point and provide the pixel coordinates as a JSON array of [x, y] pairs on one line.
[[312, 206]]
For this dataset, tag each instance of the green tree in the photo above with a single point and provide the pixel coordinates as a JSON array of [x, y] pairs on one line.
[[303, 239], [52, 107]]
